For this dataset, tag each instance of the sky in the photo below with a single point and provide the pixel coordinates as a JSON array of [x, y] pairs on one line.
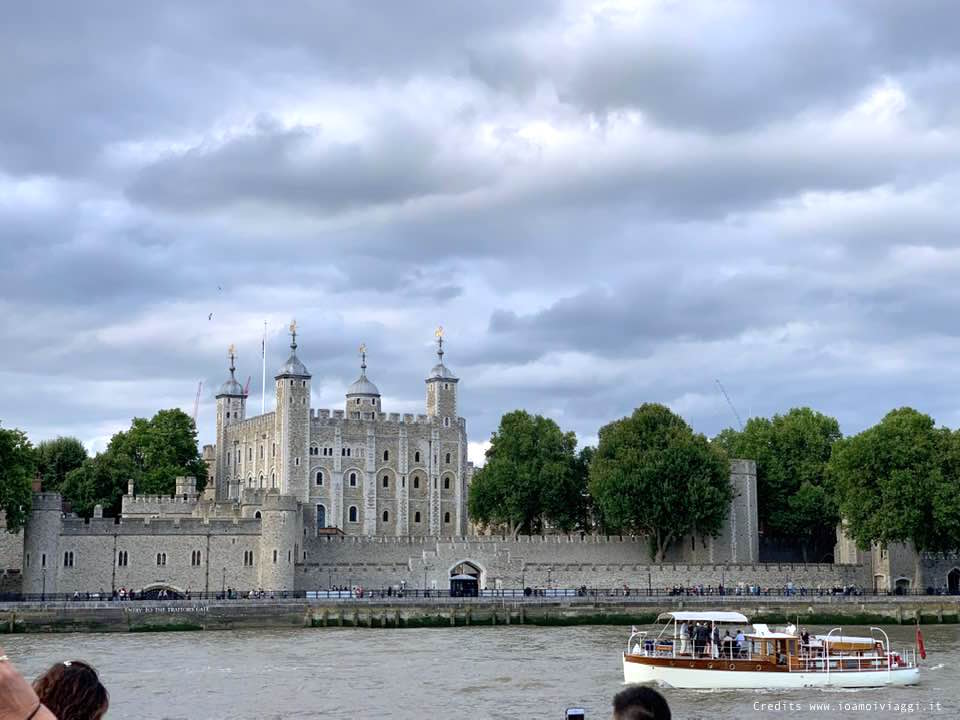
[[603, 203]]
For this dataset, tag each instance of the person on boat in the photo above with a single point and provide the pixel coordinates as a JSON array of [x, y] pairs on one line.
[[684, 637], [727, 644], [741, 642], [716, 642]]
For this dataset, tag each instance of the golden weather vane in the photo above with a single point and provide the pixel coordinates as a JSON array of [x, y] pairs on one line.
[[439, 332]]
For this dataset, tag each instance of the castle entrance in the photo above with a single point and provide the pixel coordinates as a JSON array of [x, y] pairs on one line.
[[465, 580], [162, 592], [953, 581]]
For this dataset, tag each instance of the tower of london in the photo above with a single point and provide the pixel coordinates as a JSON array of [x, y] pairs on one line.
[[357, 470]]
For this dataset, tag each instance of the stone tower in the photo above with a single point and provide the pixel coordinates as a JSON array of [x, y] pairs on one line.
[[41, 547], [363, 397], [442, 388], [292, 428], [279, 534], [231, 408]]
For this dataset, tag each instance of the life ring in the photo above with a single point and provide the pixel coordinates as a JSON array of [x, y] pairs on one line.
[[731, 666], [709, 666], [693, 664], [758, 667]]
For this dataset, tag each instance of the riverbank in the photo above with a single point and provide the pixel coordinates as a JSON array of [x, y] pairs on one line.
[[182, 615]]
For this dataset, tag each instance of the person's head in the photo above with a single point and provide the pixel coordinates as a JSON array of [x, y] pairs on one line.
[[72, 691], [639, 702]]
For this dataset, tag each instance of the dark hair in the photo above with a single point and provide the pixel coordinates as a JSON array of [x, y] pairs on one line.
[[72, 691], [639, 702]]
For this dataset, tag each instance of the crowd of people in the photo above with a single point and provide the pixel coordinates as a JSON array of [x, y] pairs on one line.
[[72, 690]]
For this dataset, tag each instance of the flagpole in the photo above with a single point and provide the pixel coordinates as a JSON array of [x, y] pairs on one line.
[[263, 376]]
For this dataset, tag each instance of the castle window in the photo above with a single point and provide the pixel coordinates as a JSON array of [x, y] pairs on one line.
[[296, 461], [43, 560], [386, 455], [416, 517], [446, 517], [446, 483], [352, 514], [291, 383], [195, 558], [228, 414], [122, 558], [248, 558], [446, 422], [261, 480], [68, 558], [353, 479], [28, 559], [343, 452], [319, 477], [238, 456], [303, 383], [257, 515], [274, 556], [386, 481], [161, 559], [288, 557], [249, 453], [273, 479], [261, 452], [348, 452], [446, 386], [403, 482], [321, 516], [373, 401], [314, 450], [273, 451], [416, 482], [386, 516], [358, 401], [448, 458], [416, 456]]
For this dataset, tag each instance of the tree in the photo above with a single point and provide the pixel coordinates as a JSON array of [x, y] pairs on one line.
[[17, 468], [531, 477], [56, 458], [794, 501], [652, 475], [899, 481], [152, 453]]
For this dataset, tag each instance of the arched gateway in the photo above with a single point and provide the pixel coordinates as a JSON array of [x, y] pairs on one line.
[[465, 579], [953, 581]]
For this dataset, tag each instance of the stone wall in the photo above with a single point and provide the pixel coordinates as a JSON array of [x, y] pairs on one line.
[[11, 549], [550, 561]]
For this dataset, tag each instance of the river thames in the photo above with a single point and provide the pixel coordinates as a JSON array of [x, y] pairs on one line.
[[477, 672]]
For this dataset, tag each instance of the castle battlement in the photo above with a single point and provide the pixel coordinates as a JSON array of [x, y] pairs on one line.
[[47, 501], [328, 417], [257, 422]]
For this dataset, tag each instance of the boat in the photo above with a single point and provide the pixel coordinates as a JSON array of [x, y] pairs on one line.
[[763, 658]]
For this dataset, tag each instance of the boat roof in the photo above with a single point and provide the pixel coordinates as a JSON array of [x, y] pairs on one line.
[[846, 639], [708, 616]]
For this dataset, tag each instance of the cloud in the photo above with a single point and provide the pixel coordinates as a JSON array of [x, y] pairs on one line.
[[604, 203]]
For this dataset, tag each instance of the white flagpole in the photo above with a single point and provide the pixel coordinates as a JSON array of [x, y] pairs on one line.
[[263, 377]]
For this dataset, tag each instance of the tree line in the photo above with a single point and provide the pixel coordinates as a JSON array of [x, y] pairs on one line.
[[152, 453], [651, 475]]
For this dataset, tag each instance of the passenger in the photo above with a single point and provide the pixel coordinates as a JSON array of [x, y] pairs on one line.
[[716, 642], [684, 637], [741, 642], [727, 645], [17, 699], [639, 702], [72, 691]]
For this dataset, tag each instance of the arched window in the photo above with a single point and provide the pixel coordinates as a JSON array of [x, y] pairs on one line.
[[353, 479], [321, 516], [446, 517], [448, 458], [386, 455], [386, 516], [257, 515], [416, 456], [416, 517], [319, 477], [446, 483], [352, 516], [274, 557], [416, 482], [386, 481]]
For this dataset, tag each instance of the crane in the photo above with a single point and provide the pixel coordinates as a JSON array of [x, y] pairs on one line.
[[730, 403], [246, 388], [196, 401]]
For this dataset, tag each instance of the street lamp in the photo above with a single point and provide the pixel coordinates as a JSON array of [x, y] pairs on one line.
[[223, 589], [649, 583], [43, 592], [425, 580]]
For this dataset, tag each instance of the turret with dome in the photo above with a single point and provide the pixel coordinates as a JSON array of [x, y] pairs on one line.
[[362, 395]]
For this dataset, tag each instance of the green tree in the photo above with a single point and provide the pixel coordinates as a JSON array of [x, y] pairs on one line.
[[794, 500], [56, 458], [152, 453], [17, 468], [531, 477], [652, 475], [899, 481]]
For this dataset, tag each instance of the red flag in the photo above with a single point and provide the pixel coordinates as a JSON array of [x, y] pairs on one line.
[[920, 647]]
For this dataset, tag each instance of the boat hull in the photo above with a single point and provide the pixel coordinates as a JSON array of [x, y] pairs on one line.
[[695, 678]]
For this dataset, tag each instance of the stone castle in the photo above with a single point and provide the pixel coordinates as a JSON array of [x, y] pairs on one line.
[[301, 499]]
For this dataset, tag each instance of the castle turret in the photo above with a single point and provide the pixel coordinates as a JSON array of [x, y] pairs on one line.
[[231, 408], [292, 425], [442, 388], [41, 547], [279, 535], [363, 397]]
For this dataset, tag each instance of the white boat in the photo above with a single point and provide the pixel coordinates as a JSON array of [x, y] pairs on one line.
[[764, 658]]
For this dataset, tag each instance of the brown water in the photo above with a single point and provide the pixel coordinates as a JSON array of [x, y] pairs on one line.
[[478, 672]]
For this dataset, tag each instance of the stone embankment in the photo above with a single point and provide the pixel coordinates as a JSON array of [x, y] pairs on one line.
[[174, 615]]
